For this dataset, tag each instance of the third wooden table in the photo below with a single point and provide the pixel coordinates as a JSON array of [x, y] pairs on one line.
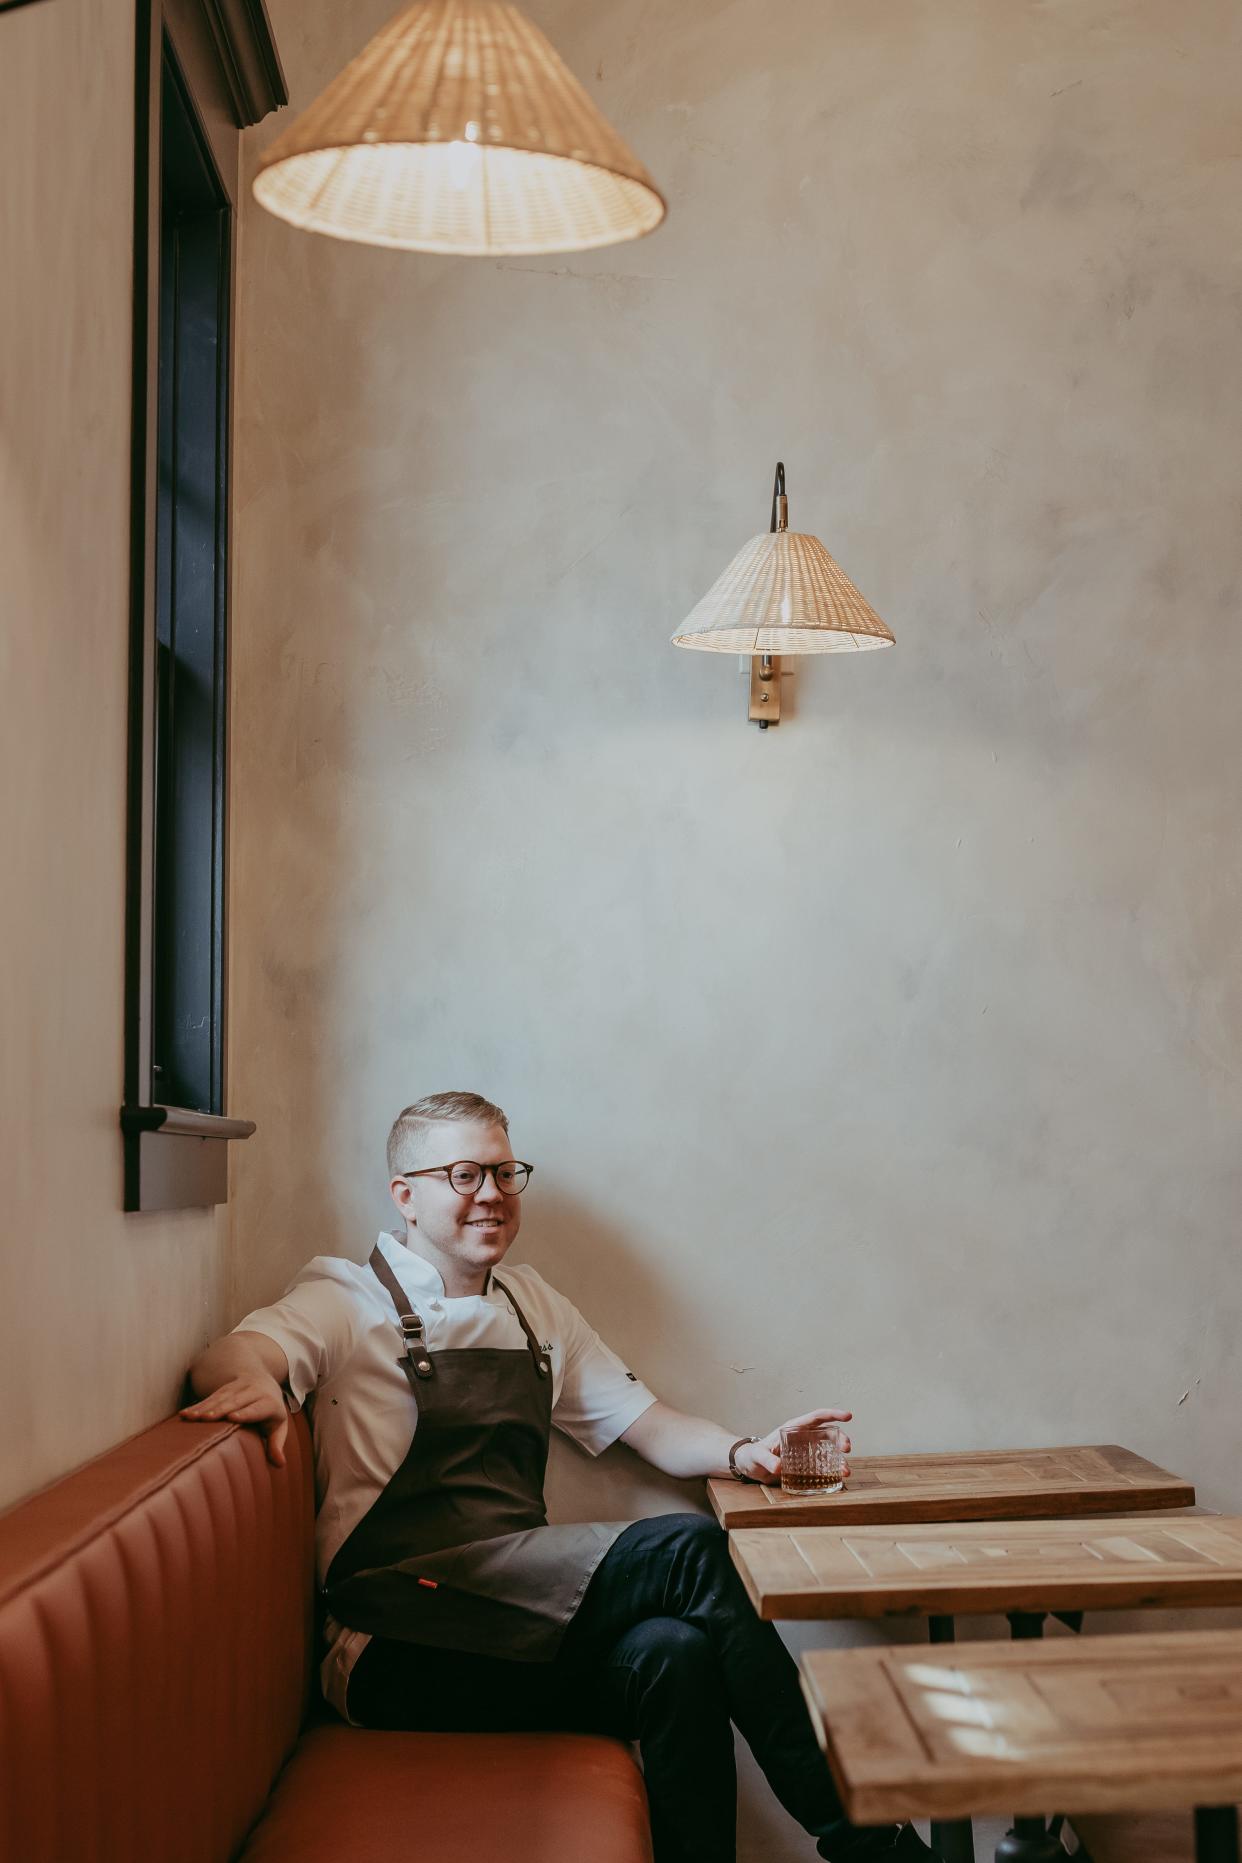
[[1129, 1723]]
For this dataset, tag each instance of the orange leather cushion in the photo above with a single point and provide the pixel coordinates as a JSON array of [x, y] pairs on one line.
[[154, 1647], [455, 1798], [155, 1638]]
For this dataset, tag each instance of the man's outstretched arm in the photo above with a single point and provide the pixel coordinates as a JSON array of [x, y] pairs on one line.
[[241, 1378], [687, 1446]]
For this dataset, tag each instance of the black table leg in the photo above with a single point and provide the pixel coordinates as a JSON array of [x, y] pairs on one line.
[[1030, 1841], [1216, 1834], [953, 1839]]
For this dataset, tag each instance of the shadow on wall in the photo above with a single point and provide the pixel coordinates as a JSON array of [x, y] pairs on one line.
[[594, 1264], [287, 1189]]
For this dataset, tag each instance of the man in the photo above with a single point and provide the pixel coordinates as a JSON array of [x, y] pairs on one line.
[[452, 1604]]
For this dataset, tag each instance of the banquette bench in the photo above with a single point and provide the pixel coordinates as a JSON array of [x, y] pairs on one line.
[[155, 1665]]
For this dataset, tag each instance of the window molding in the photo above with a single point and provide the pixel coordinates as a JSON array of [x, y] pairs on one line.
[[247, 56], [176, 1160], [230, 73]]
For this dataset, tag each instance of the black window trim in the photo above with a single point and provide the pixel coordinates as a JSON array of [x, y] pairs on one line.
[[231, 76]]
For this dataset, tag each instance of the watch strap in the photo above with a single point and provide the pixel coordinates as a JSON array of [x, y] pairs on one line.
[[741, 1443]]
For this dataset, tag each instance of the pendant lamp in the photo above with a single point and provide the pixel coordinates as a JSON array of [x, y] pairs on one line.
[[781, 594], [458, 129]]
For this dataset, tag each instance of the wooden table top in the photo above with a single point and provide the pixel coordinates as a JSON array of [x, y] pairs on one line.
[[1091, 1724], [1018, 1565], [989, 1484]]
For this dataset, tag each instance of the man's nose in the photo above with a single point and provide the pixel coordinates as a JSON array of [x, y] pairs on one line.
[[489, 1190]]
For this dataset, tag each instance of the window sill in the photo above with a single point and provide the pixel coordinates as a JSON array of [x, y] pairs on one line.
[[176, 1159]]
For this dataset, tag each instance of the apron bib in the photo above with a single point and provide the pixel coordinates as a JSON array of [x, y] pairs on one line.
[[456, 1550]]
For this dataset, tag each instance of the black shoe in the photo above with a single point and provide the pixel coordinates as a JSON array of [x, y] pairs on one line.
[[909, 1845]]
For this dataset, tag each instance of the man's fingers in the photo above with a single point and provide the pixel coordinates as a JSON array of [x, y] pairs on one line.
[[274, 1435], [819, 1416], [247, 1401], [223, 1401], [768, 1465], [256, 1410]]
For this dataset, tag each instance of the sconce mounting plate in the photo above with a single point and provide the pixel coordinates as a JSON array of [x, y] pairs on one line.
[[765, 690]]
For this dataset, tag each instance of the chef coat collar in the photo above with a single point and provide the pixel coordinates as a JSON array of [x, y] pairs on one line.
[[415, 1273]]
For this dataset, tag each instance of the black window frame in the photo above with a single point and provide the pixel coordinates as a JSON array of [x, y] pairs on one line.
[[214, 64]]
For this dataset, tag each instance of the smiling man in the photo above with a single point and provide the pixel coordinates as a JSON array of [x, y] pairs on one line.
[[432, 1382]]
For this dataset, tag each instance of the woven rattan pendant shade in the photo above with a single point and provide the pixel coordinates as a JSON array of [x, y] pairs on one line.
[[459, 130], [783, 593]]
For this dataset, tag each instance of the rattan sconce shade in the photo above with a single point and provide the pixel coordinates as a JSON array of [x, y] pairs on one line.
[[458, 129], [783, 593]]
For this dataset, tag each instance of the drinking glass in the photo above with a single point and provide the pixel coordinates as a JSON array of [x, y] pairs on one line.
[[813, 1459]]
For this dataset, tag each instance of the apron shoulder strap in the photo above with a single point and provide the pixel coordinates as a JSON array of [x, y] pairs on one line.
[[536, 1350], [388, 1280], [417, 1358]]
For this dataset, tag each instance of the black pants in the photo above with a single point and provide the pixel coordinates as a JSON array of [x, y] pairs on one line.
[[665, 1649]]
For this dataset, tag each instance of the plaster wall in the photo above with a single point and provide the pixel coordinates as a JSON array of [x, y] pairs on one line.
[[891, 1057], [99, 1312]]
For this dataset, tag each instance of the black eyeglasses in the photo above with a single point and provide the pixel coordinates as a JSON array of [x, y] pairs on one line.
[[465, 1176]]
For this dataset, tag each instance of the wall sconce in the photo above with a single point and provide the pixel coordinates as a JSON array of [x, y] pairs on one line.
[[459, 130], [781, 594]]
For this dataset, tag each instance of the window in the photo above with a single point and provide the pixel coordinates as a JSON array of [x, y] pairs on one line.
[[191, 579], [174, 1120]]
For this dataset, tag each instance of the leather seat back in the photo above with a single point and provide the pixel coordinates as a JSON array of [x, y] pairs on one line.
[[155, 1642]]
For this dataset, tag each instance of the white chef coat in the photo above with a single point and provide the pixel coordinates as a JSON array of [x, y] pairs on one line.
[[337, 1327]]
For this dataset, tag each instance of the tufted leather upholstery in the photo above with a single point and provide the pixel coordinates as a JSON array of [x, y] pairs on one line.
[[154, 1648], [155, 1641]]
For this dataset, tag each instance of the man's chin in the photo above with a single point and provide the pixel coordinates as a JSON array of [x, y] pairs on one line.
[[487, 1246]]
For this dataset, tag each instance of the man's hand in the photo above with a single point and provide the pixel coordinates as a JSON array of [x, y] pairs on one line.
[[687, 1446], [242, 1377], [761, 1461], [255, 1399]]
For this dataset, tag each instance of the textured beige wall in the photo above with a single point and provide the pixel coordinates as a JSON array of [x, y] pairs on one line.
[[99, 1312], [894, 1056]]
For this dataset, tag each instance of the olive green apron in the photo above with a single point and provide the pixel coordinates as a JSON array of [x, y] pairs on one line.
[[456, 1551]]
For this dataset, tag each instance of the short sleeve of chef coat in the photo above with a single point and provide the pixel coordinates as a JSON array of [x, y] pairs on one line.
[[599, 1397], [316, 1322]]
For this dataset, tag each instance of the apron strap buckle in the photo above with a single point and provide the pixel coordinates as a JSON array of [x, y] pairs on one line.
[[415, 1341]]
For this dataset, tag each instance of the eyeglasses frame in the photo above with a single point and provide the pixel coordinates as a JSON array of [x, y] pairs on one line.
[[485, 1171]]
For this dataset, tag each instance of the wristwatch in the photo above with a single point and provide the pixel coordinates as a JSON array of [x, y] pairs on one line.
[[734, 1470]]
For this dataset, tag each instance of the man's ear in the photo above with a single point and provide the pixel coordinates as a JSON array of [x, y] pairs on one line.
[[400, 1193]]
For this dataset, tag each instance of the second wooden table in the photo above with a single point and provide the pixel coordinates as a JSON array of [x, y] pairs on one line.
[[1019, 1566]]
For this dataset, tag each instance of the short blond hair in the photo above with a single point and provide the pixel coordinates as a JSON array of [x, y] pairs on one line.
[[435, 1109]]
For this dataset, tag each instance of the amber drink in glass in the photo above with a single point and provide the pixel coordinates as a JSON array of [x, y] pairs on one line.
[[813, 1459]]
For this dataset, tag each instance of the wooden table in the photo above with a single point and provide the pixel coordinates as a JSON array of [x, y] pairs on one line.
[[1134, 1723], [1019, 1566], [1024, 1568], [991, 1484]]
